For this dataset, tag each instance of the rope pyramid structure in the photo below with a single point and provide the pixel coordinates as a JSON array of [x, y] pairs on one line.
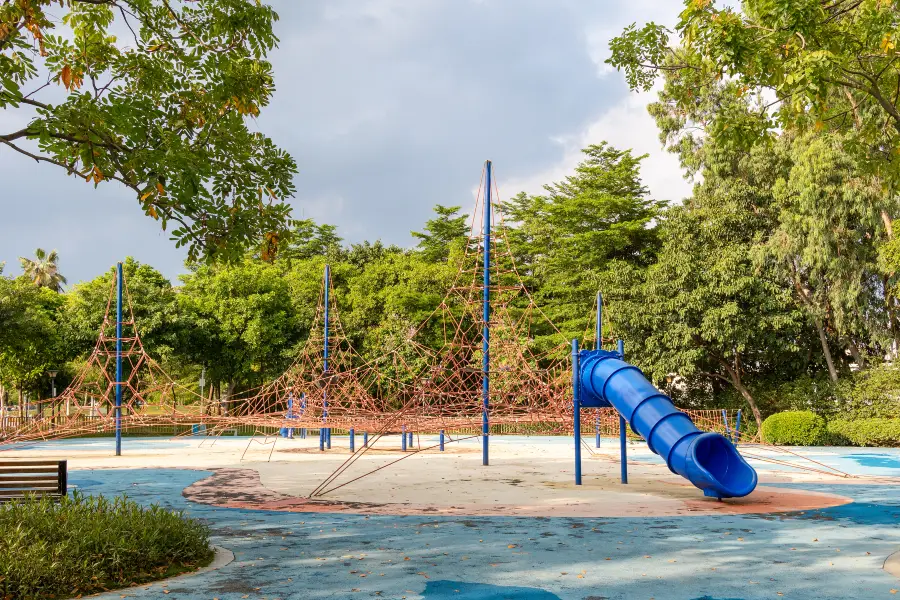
[[148, 395], [328, 385], [525, 384]]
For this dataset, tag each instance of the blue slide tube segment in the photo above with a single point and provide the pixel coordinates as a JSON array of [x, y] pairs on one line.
[[708, 460]]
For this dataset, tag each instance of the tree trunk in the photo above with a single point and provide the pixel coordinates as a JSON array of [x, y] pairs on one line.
[[226, 397], [858, 356], [825, 350], [740, 387]]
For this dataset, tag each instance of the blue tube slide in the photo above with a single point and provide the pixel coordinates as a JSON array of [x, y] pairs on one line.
[[707, 460]]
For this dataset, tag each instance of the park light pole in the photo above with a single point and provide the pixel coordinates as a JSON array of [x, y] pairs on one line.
[[202, 384], [52, 374]]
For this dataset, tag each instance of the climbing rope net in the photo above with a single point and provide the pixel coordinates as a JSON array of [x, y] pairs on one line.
[[429, 377]]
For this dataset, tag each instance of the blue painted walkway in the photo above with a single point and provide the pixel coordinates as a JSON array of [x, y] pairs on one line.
[[833, 553]]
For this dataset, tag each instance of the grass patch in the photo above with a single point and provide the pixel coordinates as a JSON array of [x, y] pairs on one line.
[[85, 544]]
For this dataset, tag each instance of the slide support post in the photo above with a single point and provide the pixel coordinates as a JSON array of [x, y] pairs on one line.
[[442, 440], [598, 432], [352, 440], [737, 428], [403, 437], [623, 434], [365, 439], [576, 415]]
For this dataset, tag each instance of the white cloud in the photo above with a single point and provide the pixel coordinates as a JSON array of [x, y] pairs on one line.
[[625, 125]]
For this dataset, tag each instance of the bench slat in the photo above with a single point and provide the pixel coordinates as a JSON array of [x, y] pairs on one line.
[[28, 463], [8, 481], [51, 469]]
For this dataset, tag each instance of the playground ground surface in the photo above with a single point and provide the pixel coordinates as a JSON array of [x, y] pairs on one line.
[[437, 526]]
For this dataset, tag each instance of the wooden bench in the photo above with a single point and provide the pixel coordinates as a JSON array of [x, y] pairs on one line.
[[19, 478]]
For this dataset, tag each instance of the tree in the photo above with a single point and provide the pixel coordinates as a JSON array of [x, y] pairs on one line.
[[824, 244], [564, 240], [43, 271], [149, 295], [448, 229], [241, 323], [163, 110], [29, 341], [308, 239], [706, 310]]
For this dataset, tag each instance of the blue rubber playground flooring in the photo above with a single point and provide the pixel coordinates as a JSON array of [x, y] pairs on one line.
[[830, 553]]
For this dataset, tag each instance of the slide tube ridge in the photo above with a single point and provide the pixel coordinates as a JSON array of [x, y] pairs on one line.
[[708, 460]]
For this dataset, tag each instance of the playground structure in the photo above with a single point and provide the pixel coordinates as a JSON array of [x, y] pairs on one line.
[[487, 374]]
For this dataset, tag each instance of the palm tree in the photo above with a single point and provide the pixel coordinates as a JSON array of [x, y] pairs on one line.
[[44, 271]]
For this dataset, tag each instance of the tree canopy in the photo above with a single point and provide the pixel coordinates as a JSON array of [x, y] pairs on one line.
[[161, 109]]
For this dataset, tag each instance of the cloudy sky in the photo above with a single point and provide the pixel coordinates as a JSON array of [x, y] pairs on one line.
[[389, 107]]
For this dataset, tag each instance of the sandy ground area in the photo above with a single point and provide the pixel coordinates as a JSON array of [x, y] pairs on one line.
[[442, 526], [527, 476]]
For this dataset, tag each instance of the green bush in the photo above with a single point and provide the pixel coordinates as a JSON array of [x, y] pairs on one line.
[[865, 432], [795, 428], [83, 545]]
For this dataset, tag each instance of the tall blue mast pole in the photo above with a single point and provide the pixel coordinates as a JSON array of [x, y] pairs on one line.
[[598, 343], [325, 359], [119, 359], [486, 296]]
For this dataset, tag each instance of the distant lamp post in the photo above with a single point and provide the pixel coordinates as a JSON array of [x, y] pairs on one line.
[[202, 385], [52, 375]]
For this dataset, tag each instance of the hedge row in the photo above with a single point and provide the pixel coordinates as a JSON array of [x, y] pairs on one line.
[[804, 428], [865, 432], [83, 545]]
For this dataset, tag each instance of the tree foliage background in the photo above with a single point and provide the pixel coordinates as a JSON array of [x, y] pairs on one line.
[[773, 286]]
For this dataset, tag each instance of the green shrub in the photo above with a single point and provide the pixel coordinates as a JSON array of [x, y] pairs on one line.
[[865, 432], [82, 545], [874, 393], [795, 428]]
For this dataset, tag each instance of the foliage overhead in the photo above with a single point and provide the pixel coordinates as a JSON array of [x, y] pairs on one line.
[[162, 109]]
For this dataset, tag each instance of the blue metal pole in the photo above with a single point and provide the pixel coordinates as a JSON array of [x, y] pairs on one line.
[[328, 437], [303, 412], [325, 357], [598, 432], [409, 443], [623, 435], [365, 439], [403, 438], [598, 331], [737, 428], [442, 440], [322, 439], [725, 420], [576, 414], [119, 359], [486, 297], [352, 440]]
